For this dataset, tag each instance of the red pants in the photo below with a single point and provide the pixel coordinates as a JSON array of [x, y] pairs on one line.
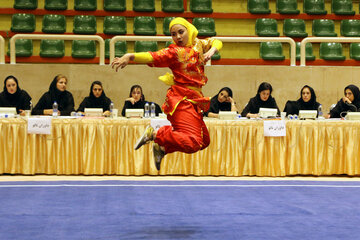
[[188, 132]]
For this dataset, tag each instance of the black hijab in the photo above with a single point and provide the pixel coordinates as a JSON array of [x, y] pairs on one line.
[[55, 93], [270, 102], [216, 106], [97, 101], [311, 104], [14, 98], [356, 92]]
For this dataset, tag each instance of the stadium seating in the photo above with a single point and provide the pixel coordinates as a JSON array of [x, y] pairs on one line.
[[25, 4], [205, 26], [52, 48], [83, 49], [331, 51], [144, 25], [287, 7], [342, 7], [323, 28], [115, 5], [23, 48], [145, 46], [166, 23], [120, 48], [350, 28], [271, 51], [56, 5], [144, 5], [266, 27], [115, 25], [258, 6], [201, 6], [314, 7], [84, 24], [54, 23], [309, 55], [85, 5], [355, 51], [172, 5], [295, 28], [23, 22]]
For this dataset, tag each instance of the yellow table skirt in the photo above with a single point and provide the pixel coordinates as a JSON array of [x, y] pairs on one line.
[[106, 147]]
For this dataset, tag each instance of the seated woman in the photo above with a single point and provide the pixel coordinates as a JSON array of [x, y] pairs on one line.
[[263, 99], [57, 93], [222, 101], [96, 99], [307, 101], [349, 103], [14, 96], [136, 100]]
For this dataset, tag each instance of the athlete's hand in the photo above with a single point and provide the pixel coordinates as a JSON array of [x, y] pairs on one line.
[[122, 62], [209, 54]]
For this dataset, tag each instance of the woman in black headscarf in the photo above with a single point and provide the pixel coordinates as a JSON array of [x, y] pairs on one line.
[[349, 103], [14, 96], [96, 99], [263, 99], [307, 101], [136, 100], [57, 93], [222, 101]]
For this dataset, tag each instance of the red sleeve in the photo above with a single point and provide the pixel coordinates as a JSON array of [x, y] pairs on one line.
[[163, 58]]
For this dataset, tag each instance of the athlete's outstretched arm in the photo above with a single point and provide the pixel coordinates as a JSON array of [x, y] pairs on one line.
[[142, 57], [216, 45]]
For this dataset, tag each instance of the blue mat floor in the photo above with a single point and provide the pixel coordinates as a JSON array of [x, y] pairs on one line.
[[180, 210]]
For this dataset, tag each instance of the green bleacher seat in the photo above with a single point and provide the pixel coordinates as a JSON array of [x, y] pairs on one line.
[[166, 24], [115, 25], [167, 43], [331, 51], [83, 49], [115, 5], [355, 51], [23, 22], [216, 56], [314, 7], [350, 28], [146, 46], [258, 6], [295, 28], [205, 26], [271, 51], [52, 48], [23, 48], [323, 28], [309, 56], [201, 6], [342, 7], [85, 5], [54, 23], [144, 5], [25, 4], [144, 25], [120, 48], [172, 5], [287, 7], [84, 24], [266, 27], [57, 5]]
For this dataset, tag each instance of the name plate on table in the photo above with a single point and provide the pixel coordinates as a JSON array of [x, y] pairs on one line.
[[274, 128], [39, 125], [159, 122]]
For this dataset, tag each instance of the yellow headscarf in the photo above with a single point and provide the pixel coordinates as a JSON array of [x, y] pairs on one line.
[[168, 78], [192, 31]]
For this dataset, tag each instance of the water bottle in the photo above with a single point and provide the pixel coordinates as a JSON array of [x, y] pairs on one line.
[[55, 109], [111, 109], [152, 110], [146, 110], [320, 112]]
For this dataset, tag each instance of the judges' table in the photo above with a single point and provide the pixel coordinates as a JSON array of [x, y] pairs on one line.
[[106, 146]]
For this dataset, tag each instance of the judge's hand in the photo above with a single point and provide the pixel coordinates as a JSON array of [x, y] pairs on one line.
[[106, 113], [122, 62], [230, 100], [21, 112], [50, 112], [252, 115], [132, 100], [346, 100], [209, 54]]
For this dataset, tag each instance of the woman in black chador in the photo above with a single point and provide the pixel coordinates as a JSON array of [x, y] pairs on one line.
[[96, 99], [57, 93], [222, 101], [307, 101], [263, 99], [349, 103], [14, 96]]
